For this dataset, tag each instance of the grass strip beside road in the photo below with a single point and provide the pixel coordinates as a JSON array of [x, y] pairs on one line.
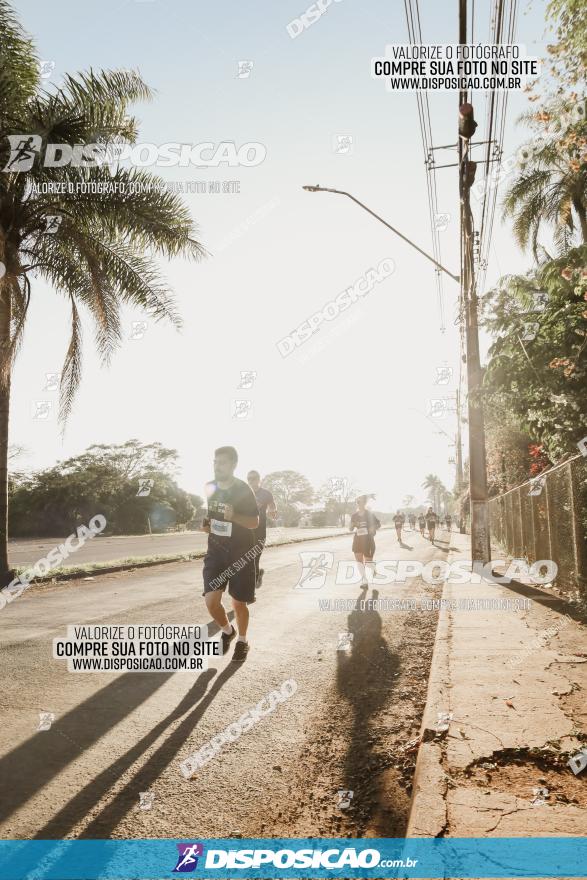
[[74, 572]]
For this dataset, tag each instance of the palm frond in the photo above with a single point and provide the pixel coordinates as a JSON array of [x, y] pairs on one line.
[[114, 221], [72, 366], [19, 65]]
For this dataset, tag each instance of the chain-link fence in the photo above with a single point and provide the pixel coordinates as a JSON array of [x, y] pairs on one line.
[[546, 518]]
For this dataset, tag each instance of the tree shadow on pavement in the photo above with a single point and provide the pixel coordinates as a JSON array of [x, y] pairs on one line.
[[438, 541], [365, 679], [541, 597], [127, 798]]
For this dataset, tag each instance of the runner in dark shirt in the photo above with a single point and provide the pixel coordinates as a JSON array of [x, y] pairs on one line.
[[431, 522], [422, 523], [364, 524], [412, 521], [229, 560], [398, 521], [266, 505]]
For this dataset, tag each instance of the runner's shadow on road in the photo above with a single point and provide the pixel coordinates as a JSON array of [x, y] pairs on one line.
[[405, 546], [128, 797], [30, 767], [365, 679], [438, 542]]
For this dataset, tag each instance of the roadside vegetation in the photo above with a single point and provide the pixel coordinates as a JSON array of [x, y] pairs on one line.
[[535, 384]]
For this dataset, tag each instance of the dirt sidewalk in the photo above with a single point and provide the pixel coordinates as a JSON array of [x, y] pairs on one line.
[[513, 682]]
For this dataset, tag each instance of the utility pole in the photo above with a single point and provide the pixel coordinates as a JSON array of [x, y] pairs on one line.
[[459, 446], [459, 457], [480, 544]]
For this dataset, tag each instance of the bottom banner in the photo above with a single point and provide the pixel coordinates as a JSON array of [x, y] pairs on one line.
[[289, 857]]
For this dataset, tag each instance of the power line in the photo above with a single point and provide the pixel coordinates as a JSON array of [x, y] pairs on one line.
[[497, 114], [413, 21]]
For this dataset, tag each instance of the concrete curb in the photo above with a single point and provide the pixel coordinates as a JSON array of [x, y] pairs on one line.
[[428, 813]]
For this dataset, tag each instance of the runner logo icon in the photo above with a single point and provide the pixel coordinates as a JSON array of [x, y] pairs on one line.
[[187, 860], [315, 567]]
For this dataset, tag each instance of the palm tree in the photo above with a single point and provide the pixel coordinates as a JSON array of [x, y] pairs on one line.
[[434, 487], [446, 498], [100, 252], [550, 188]]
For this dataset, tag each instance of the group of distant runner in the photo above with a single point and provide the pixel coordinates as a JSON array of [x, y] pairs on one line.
[[365, 525], [236, 525], [425, 521]]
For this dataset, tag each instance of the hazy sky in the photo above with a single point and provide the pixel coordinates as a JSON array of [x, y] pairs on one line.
[[353, 400]]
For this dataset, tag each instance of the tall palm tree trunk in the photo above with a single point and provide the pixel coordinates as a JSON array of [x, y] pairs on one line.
[[4, 418], [5, 321], [582, 215]]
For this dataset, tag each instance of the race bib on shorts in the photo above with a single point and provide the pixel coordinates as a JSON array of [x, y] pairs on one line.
[[362, 531], [221, 528]]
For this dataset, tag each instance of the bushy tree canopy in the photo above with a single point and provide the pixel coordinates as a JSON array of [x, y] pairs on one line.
[[130, 484], [537, 369]]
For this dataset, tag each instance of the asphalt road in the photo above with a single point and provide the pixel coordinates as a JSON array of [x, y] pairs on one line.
[[118, 735], [110, 549]]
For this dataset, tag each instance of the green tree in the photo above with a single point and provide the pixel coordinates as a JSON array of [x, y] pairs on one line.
[[289, 488], [537, 368], [568, 54], [446, 499], [551, 187], [508, 450], [435, 488], [100, 250], [132, 460], [338, 496], [135, 500]]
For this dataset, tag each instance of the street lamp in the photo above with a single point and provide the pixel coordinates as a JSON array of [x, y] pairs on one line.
[[480, 547], [341, 192]]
